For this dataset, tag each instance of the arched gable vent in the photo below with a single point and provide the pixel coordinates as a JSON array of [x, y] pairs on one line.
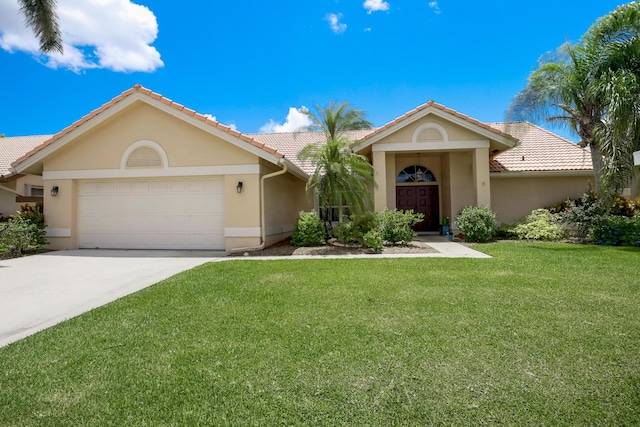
[[430, 132], [144, 154], [430, 135], [144, 157]]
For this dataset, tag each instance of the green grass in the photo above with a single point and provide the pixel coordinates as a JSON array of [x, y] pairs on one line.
[[542, 334]]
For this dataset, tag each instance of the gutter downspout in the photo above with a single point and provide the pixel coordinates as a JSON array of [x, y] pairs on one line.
[[263, 232]]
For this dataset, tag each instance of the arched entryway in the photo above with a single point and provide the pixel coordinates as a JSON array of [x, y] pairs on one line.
[[417, 189]]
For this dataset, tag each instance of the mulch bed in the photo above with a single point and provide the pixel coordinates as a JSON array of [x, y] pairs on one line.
[[285, 248]]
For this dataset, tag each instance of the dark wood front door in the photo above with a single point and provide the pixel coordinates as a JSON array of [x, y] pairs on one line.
[[423, 199]]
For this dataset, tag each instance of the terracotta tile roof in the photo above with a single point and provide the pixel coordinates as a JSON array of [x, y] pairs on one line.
[[439, 107], [291, 143], [542, 150], [539, 150], [12, 148], [139, 89]]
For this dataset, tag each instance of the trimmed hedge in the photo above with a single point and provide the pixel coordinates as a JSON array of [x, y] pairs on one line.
[[309, 230]]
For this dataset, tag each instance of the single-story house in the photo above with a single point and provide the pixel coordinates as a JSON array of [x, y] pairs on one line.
[[145, 172]]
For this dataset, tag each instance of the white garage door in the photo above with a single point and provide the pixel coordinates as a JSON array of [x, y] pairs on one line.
[[151, 213]]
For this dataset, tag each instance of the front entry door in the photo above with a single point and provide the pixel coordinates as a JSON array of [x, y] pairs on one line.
[[423, 199]]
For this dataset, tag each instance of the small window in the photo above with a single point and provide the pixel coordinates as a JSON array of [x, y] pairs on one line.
[[33, 190], [415, 173]]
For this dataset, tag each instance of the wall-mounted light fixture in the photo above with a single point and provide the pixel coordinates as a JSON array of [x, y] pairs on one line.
[[54, 191], [239, 187]]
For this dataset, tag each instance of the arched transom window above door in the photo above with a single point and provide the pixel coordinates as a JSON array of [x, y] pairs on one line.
[[415, 173]]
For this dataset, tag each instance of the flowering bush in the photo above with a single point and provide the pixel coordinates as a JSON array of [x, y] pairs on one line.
[[477, 222], [618, 231], [583, 215], [623, 206]]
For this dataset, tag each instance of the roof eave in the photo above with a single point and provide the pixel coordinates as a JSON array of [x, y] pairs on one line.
[[541, 173], [502, 138], [129, 98]]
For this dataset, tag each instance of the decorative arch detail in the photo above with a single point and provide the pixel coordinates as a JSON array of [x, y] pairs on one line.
[[144, 154], [415, 173], [430, 132]]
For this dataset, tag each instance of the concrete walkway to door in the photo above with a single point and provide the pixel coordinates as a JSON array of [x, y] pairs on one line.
[[39, 291]]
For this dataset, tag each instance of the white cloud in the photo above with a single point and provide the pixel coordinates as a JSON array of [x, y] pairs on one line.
[[110, 34], [296, 120], [434, 5], [375, 5], [335, 24]]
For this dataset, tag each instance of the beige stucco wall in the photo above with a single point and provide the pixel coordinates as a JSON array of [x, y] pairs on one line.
[[461, 181], [185, 145], [445, 186], [455, 132], [35, 180], [8, 204], [60, 215], [284, 198], [513, 198]]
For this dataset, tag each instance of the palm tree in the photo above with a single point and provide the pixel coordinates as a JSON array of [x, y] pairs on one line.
[[341, 177], [41, 16], [593, 89]]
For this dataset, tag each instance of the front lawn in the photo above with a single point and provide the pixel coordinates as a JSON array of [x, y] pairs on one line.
[[542, 334]]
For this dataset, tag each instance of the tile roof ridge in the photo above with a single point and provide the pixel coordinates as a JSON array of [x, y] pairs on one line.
[[441, 107], [285, 133], [43, 135], [138, 88]]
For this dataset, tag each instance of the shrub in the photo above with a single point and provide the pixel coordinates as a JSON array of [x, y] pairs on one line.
[[617, 231], [373, 239], [583, 215], [396, 225], [34, 214], [352, 230], [347, 233], [540, 225], [478, 223], [19, 236], [623, 206], [506, 231], [309, 230]]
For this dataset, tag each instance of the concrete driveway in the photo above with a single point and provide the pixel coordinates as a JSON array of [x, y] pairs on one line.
[[39, 291]]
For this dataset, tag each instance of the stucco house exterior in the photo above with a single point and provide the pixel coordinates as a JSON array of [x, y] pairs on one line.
[[18, 189], [145, 172]]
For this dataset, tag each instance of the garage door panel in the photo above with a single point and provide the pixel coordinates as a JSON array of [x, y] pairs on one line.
[[164, 213]]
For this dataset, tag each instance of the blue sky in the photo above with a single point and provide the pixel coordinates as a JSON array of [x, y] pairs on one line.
[[248, 63]]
